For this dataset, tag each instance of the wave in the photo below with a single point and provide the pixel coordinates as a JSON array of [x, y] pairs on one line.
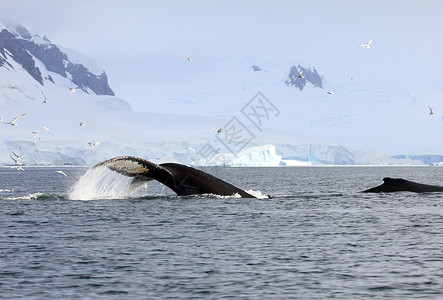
[[36, 196]]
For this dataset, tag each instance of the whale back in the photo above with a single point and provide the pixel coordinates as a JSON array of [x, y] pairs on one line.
[[193, 181], [402, 185]]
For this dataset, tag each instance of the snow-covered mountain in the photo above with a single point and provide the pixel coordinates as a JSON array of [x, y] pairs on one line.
[[50, 91], [18, 43]]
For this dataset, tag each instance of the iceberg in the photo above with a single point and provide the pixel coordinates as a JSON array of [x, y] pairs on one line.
[[294, 163], [261, 156]]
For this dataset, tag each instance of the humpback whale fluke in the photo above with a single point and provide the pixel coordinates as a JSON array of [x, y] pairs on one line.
[[183, 180], [402, 185]]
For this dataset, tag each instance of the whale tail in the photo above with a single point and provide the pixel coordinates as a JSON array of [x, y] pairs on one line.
[[183, 180]]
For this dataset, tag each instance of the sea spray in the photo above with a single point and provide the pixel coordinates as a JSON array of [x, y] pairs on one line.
[[102, 183]]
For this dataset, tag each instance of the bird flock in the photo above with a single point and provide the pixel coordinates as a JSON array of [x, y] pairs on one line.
[[16, 158]]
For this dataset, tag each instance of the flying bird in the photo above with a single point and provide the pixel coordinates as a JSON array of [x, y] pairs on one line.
[[218, 129], [367, 44], [301, 74], [63, 173], [93, 145], [14, 122], [330, 92], [82, 123], [192, 149], [190, 58], [16, 160], [45, 101], [431, 112], [46, 129], [73, 90], [16, 155], [36, 135]]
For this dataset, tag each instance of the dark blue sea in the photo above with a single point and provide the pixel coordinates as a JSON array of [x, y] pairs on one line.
[[85, 236]]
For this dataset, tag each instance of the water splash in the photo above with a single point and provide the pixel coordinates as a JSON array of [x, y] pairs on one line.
[[102, 183]]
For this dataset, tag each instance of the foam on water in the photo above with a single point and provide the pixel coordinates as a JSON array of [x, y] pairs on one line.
[[257, 194], [102, 183], [33, 196], [236, 195]]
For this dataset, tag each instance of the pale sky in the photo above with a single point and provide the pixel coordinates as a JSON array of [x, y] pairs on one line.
[[141, 44], [132, 38]]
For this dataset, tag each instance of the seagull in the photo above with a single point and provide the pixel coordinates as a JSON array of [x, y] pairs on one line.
[[13, 123], [192, 149], [93, 145], [45, 101], [18, 168], [36, 135], [82, 123], [46, 129], [190, 58], [16, 155], [73, 89], [301, 74], [218, 129], [330, 92], [63, 173], [431, 112], [16, 160], [367, 44]]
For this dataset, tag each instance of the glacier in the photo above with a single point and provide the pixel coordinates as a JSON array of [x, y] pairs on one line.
[[307, 155], [261, 156]]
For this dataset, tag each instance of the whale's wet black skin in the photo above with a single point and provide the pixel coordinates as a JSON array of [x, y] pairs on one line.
[[183, 180], [402, 185]]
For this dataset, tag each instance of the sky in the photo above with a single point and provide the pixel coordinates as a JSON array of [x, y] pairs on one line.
[[141, 44], [132, 38]]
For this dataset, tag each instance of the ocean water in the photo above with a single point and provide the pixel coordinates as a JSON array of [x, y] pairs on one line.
[[85, 236]]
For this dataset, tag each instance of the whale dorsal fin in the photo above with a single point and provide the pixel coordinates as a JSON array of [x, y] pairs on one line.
[[387, 179]]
